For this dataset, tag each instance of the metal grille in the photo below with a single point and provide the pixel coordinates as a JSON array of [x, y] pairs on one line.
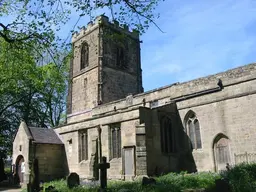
[[245, 158]]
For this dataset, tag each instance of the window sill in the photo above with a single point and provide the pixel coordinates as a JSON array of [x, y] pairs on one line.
[[84, 161], [115, 159], [197, 150]]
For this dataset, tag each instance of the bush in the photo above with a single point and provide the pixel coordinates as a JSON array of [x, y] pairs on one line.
[[190, 181], [242, 177]]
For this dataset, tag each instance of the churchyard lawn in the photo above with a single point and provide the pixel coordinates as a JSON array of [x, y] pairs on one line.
[[170, 182], [241, 178]]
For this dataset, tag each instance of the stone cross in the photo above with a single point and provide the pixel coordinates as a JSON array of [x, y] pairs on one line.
[[103, 166], [73, 180]]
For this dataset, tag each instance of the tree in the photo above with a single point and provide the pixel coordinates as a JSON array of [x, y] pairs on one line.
[[30, 87], [28, 91], [34, 20]]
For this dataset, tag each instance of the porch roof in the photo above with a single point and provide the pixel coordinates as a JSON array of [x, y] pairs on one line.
[[44, 135]]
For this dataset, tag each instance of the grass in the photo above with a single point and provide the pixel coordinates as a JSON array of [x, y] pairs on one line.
[[61, 185], [242, 178], [171, 182]]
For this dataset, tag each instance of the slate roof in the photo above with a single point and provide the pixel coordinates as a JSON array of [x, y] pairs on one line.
[[44, 135]]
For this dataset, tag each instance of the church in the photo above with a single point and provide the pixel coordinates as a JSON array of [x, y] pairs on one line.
[[199, 125]]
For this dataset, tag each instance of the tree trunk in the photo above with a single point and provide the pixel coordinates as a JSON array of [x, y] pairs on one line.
[[2, 173]]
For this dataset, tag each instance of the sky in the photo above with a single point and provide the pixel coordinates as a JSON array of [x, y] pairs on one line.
[[200, 38]]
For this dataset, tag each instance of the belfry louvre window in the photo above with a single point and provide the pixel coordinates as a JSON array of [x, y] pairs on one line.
[[83, 146], [115, 134], [121, 61], [193, 129], [84, 60], [167, 136]]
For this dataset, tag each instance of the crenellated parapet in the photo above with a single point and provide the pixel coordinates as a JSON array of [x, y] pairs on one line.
[[104, 20]]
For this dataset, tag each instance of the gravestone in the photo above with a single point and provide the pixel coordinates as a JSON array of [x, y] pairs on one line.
[[50, 189], [35, 185], [73, 180], [148, 181], [222, 185], [103, 166]]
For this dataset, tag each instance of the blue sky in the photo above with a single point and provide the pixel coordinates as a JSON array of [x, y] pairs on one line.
[[201, 38]]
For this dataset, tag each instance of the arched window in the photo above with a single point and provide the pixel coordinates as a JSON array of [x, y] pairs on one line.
[[193, 129], [167, 136], [84, 61], [83, 145], [120, 58], [116, 144]]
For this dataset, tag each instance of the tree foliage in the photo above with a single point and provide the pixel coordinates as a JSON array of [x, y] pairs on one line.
[[35, 22], [32, 88], [29, 91]]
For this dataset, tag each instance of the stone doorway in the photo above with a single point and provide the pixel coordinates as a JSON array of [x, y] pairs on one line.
[[19, 169], [221, 151], [129, 162]]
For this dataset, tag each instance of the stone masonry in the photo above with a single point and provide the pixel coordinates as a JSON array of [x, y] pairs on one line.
[[39, 143], [102, 81], [222, 106]]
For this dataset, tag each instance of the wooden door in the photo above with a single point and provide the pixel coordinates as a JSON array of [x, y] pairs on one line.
[[222, 153], [129, 163]]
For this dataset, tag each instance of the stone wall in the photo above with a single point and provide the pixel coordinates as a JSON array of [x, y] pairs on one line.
[[120, 80], [118, 84], [51, 161], [128, 139], [21, 148], [129, 120], [85, 82], [142, 157], [158, 162], [102, 81], [230, 112], [71, 150], [178, 90]]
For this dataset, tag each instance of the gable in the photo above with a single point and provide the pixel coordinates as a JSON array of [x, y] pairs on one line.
[[22, 132]]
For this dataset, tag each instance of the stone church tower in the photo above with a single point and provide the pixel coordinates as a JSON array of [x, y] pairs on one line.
[[105, 67]]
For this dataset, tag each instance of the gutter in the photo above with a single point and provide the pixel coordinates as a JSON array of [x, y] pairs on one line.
[[200, 93]]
